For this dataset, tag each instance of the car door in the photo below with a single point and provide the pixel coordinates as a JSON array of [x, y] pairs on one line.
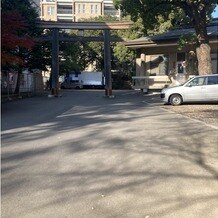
[[212, 88], [195, 90]]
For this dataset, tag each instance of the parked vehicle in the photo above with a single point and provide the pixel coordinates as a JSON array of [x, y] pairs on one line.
[[198, 89], [83, 79]]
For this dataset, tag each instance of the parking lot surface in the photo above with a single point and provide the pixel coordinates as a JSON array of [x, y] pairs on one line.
[[84, 155]]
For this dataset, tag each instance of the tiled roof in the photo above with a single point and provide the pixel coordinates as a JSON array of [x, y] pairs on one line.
[[212, 31]]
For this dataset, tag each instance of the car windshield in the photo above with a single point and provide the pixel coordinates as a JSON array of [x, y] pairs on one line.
[[185, 82]]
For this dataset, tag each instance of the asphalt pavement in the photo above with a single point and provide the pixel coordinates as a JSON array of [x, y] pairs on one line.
[[84, 155]]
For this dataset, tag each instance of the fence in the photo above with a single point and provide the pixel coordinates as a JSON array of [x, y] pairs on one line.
[[150, 82], [30, 84]]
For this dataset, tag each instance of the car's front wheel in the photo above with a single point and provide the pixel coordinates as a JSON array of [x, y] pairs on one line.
[[175, 99]]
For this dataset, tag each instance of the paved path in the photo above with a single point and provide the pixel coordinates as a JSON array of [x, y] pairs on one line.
[[86, 156]]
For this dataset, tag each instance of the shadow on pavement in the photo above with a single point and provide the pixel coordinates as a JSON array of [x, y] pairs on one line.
[[119, 156]]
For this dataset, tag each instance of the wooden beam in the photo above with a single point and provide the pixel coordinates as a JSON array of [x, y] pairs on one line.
[[118, 25], [81, 39]]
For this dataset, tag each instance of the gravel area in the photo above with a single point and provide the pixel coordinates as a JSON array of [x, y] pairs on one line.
[[207, 113]]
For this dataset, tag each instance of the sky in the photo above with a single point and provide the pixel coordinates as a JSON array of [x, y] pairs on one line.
[[215, 14]]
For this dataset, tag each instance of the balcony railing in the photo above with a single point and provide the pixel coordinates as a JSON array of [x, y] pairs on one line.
[[68, 1], [64, 11]]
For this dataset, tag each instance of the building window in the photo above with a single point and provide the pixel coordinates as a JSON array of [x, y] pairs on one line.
[[180, 67], [96, 9], [159, 65], [92, 9], [51, 10], [212, 80], [64, 9], [79, 8], [84, 8], [110, 10], [200, 81], [181, 64], [214, 61], [181, 56], [214, 56]]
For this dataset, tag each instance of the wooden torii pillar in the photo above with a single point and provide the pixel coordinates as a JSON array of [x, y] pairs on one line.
[[107, 64], [55, 63], [106, 27]]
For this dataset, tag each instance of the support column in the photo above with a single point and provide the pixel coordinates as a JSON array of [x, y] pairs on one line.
[[107, 64], [55, 62]]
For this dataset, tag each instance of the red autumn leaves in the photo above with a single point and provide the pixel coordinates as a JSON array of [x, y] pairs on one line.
[[14, 37]]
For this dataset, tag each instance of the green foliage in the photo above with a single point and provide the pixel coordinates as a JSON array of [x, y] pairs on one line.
[[176, 12], [82, 54], [196, 13], [106, 18], [77, 56], [121, 80], [71, 57], [26, 10], [187, 40], [39, 56]]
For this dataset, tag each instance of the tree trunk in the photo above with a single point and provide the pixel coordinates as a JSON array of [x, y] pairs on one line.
[[191, 63], [203, 48], [17, 89], [204, 59]]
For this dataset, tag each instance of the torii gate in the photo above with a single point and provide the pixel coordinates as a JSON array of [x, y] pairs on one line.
[[105, 26]]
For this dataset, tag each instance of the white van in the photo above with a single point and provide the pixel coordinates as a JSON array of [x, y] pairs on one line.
[[202, 88], [83, 79]]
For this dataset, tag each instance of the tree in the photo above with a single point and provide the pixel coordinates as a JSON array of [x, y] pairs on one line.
[[12, 39], [78, 55], [19, 47], [18, 29], [71, 55], [197, 12]]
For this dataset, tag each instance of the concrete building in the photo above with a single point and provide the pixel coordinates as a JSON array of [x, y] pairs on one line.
[[75, 10], [160, 63], [110, 10]]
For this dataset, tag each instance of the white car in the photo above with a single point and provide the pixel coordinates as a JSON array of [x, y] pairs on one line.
[[202, 88]]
